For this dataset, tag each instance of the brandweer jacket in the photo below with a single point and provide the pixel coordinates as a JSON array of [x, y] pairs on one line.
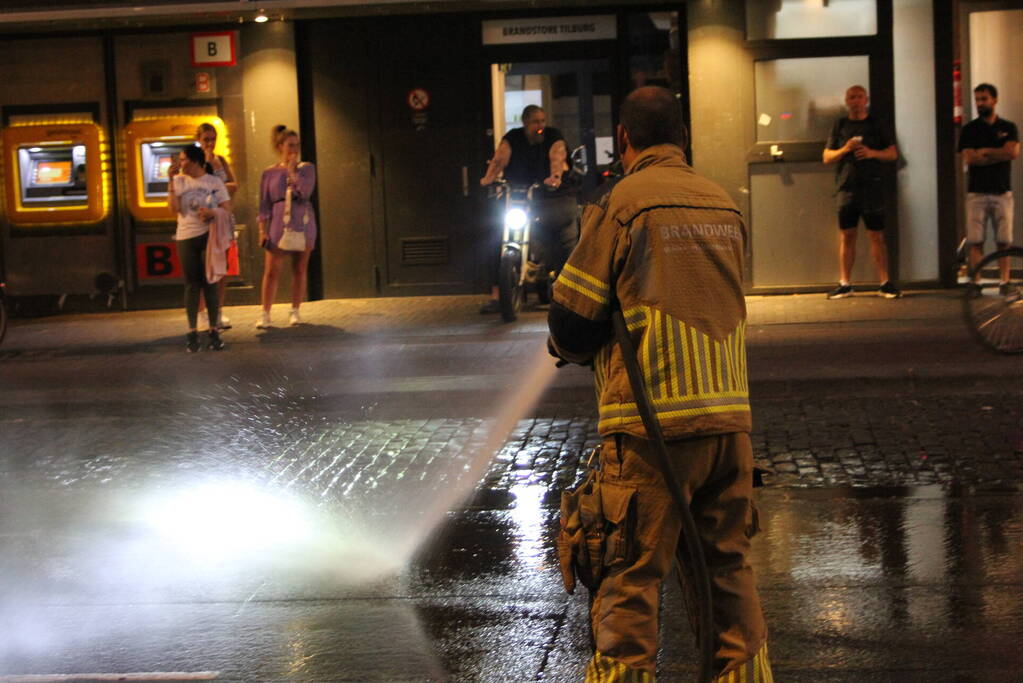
[[668, 245]]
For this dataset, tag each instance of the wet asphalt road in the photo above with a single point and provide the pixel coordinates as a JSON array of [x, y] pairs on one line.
[[305, 507]]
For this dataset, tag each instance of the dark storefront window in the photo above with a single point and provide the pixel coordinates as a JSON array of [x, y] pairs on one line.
[[655, 50]]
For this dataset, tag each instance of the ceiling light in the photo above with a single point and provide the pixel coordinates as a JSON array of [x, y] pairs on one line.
[[261, 17]]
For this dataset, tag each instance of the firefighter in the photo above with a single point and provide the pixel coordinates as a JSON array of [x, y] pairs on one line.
[[667, 246]]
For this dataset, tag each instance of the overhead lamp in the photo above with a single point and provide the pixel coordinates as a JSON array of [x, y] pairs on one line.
[[261, 18]]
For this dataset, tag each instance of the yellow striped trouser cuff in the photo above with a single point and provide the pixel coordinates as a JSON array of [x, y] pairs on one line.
[[756, 670], [601, 669]]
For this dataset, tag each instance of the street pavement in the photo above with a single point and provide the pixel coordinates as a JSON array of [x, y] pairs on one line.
[[373, 496]]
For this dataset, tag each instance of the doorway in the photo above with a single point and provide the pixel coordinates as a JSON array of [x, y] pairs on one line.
[[576, 94], [804, 58]]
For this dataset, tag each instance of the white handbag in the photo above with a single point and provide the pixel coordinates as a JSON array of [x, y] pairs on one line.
[[291, 240]]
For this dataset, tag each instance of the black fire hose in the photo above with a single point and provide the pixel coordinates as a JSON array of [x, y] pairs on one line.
[[700, 573]]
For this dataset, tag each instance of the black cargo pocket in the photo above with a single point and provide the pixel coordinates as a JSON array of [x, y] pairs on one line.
[[752, 521], [619, 507]]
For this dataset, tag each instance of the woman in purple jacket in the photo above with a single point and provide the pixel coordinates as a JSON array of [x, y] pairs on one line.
[[287, 223]]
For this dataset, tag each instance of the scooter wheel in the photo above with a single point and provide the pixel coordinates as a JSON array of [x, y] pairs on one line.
[[509, 288]]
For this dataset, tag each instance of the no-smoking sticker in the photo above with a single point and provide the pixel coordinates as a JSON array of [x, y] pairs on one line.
[[418, 99]]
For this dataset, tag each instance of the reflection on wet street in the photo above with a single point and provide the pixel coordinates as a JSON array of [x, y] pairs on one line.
[[352, 521]]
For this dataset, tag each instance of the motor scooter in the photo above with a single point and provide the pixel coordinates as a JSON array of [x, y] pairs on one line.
[[522, 268]]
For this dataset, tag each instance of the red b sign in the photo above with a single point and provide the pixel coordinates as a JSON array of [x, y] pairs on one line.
[[157, 262], [214, 49]]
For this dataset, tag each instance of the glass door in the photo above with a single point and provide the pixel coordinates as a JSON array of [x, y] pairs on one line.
[[792, 208], [805, 56]]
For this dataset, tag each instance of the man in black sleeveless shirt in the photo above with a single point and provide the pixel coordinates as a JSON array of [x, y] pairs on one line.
[[860, 145], [988, 145], [536, 153]]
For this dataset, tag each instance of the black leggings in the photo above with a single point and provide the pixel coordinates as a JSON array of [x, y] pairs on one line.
[[192, 254]]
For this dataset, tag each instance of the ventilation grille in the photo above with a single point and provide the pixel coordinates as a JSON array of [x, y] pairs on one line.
[[424, 251]]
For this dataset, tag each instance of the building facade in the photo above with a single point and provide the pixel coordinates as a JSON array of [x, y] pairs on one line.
[[400, 105]]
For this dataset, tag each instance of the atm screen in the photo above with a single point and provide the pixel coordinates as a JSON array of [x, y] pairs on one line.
[[51, 173], [160, 166], [157, 156]]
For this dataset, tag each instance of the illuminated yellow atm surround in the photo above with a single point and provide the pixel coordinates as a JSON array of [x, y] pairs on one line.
[[174, 130], [27, 134]]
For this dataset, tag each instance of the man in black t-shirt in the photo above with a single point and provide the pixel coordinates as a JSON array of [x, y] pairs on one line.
[[989, 144], [534, 153], [860, 144], [537, 153]]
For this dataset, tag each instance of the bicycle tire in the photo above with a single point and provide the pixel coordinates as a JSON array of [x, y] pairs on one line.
[[994, 314]]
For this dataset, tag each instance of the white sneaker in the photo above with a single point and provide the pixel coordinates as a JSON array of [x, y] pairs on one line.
[[225, 322], [293, 318], [204, 321], [264, 320]]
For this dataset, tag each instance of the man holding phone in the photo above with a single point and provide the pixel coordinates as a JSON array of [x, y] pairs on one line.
[[860, 145]]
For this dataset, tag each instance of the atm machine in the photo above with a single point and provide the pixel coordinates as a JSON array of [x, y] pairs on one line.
[[56, 228], [151, 145], [55, 174]]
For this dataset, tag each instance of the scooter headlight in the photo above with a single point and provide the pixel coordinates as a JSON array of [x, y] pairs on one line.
[[515, 219]]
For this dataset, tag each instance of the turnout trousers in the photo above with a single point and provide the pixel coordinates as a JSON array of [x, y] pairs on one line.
[[716, 473]]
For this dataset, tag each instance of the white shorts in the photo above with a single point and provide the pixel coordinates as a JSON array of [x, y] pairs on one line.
[[979, 206]]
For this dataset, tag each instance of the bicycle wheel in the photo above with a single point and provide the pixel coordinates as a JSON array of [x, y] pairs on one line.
[[993, 308]]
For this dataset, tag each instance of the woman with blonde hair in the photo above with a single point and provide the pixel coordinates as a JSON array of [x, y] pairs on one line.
[[287, 223], [216, 165]]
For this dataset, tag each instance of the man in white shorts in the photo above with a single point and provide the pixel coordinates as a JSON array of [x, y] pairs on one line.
[[988, 145]]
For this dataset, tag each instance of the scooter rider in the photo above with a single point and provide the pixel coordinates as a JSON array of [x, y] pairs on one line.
[[537, 153]]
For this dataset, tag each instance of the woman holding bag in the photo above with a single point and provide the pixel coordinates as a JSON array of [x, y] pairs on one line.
[[287, 223]]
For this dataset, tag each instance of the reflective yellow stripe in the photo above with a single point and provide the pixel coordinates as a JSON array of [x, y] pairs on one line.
[[601, 669], [685, 412], [755, 670], [664, 404], [684, 368], [687, 361], [619, 420], [572, 270], [742, 356], [717, 366], [582, 290], [694, 361], [672, 337]]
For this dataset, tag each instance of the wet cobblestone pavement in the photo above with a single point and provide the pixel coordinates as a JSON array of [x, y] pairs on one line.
[[977, 441]]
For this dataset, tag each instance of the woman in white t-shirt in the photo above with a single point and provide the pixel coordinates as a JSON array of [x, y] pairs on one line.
[[193, 194], [206, 138]]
